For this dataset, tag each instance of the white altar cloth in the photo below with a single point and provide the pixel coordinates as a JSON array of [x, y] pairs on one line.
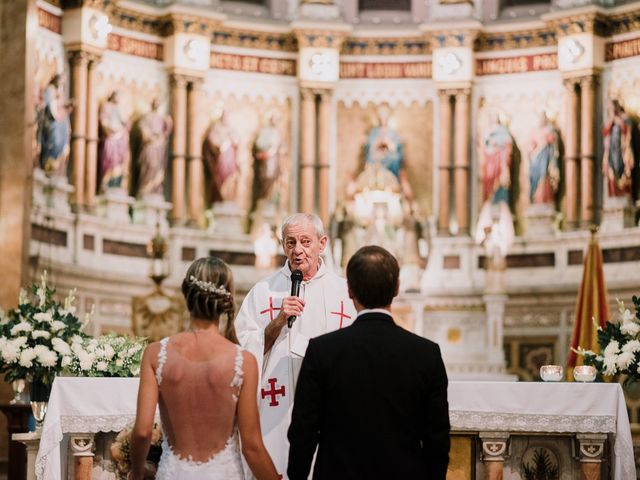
[[91, 405]]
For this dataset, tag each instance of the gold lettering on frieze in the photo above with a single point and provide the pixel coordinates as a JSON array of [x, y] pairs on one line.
[[385, 70], [521, 64], [246, 63], [626, 49]]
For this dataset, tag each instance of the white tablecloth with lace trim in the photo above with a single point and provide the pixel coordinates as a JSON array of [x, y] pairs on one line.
[[90, 405]]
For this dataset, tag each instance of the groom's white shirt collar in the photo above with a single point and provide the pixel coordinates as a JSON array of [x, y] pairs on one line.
[[373, 310]]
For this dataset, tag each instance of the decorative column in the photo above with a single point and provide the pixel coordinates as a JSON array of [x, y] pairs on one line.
[[318, 73], [590, 454], [178, 145], [461, 160], [82, 450], [494, 453], [196, 190], [572, 167], [444, 167], [307, 150], [79, 73], [91, 154], [32, 442], [587, 131], [324, 123]]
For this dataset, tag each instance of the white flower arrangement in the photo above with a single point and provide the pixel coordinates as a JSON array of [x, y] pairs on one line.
[[106, 356], [620, 345]]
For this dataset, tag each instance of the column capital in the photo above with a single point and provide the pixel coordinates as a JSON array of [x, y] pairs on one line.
[[183, 22], [307, 93], [494, 446], [591, 19], [79, 57], [331, 36], [82, 445], [591, 447]]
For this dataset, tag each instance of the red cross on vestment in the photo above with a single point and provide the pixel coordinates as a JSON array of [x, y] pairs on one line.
[[270, 309], [272, 392], [341, 313]]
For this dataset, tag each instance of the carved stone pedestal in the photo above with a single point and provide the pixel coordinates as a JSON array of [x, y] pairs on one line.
[[51, 192], [114, 204], [227, 217], [494, 453], [614, 213], [540, 220], [82, 446], [590, 454], [151, 210], [32, 441]]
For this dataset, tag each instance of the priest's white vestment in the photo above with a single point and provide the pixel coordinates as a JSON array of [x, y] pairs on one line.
[[327, 308]]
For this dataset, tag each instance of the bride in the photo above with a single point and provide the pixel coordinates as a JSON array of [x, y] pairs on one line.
[[206, 387]]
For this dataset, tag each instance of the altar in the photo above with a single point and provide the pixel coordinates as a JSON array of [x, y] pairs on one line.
[[499, 429]]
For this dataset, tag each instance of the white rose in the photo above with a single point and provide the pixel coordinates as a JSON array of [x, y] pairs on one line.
[[47, 358], [85, 362], [102, 366], [624, 360], [66, 361], [26, 357], [108, 351], [10, 352], [21, 327], [612, 348], [632, 346], [43, 317], [630, 328], [92, 345], [40, 334], [76, 339], [61, 346], [19, 341]]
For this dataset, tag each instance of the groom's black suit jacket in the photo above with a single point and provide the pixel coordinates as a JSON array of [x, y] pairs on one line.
[[373, 397]]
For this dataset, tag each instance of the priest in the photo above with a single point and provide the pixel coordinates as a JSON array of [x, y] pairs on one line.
[[276, 325]]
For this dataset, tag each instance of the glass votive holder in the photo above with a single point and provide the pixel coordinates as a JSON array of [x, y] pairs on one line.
[[551, 373], [584, 373]]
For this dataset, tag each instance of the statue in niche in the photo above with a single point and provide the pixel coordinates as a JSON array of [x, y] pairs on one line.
[[384, 152], [220, 155], [497, 161], [153, 131], [55, 127], [115, 155], [267, 151], [544, 162], [618, 161]]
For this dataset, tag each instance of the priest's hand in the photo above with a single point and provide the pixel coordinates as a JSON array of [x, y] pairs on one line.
[[290, 306]]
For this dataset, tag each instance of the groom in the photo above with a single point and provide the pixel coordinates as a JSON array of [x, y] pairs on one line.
[[372, 397]]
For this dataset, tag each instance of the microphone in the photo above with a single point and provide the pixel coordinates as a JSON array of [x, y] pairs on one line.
[[296, 280]]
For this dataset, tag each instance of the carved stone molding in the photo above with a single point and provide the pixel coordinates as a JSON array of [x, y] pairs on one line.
[[494, 446], [456, 37], [319, 38], [497, 41], [82, 445], [182, 23], [594, 22], [591, 447]]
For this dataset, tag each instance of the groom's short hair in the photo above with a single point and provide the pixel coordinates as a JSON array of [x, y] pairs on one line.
[[372, 276]]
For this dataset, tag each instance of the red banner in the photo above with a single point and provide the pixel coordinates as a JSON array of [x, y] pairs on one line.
[[521, 64], [246, 63]]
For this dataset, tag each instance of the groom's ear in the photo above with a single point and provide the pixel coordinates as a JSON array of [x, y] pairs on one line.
[[351, 296]]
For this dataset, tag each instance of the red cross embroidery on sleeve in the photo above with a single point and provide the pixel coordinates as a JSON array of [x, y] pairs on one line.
[[270, 309], [341, 313]]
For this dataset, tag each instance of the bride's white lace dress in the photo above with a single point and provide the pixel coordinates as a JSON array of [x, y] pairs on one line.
[[187, 384]]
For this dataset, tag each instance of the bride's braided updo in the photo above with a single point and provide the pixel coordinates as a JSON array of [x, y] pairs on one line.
[[208, 291]]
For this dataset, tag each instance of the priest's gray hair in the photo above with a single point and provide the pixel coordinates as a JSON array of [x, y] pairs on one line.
[[299, 218]]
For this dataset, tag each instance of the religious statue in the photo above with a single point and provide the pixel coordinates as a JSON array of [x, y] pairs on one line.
[[267, 150], [220, 154], [55, 128], [384, 148], [544, 162], [154, 131], [618, 161], [115, 155], [497, 160], [265, 248]]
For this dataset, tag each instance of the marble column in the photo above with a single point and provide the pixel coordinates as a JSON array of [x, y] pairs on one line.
[[494, 453], [324, 123], [461, 161], [307, 191], [82, 450], [195, 205], [79, 72], [444, 170], [91, 154], [587, 153], [572, 167], [178, 146], [590, 454], [32, 442]]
